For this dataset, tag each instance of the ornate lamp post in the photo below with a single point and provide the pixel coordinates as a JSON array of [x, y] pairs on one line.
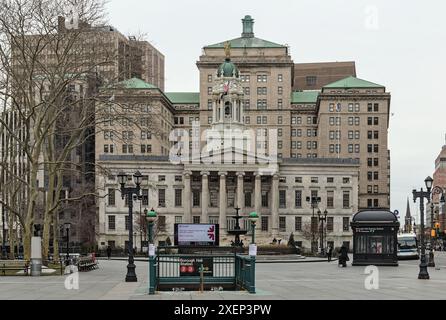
[[435, 190], [322, 218], [314, 201], [151, 218], [127, 193], [67, 227], [253, 217], [423, 274]]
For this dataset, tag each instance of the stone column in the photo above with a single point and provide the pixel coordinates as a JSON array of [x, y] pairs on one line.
[[275, 205], [214, 112], [187, 198], [205, 197], [223, 202], [240, 191], [222, 111], [258, 193]]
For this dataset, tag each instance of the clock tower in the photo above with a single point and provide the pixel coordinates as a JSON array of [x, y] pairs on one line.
[[227, 95]]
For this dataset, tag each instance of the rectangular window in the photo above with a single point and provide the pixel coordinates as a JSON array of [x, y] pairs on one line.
[[162, 223], [162, 198], [262, 91], [265, 224], [178, 219], [282, 224], [298, 199], [196, 198], [209, 77], [311, 81], [346, 224], [248, 197], [346, 200], [265, 202], [280, 104], [127, 223], [262, 78], [330, 224], [145, 197], [280, 78], [111, 197], [376, 107], [210, 105], [330, 199], [280, 120], [280, 90], [112, 223], [370, 107], [178, 197], [282, 199], [298, 224], [196, 219]]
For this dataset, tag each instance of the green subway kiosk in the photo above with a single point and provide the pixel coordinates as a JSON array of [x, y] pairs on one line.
[[375, 238]]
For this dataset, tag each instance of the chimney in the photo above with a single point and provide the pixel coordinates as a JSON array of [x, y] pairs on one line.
[[248, 27]]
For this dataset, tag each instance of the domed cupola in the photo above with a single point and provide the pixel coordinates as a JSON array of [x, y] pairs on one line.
[[228, 70]]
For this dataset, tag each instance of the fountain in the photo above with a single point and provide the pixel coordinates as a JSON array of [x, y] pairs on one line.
[[237, 231]]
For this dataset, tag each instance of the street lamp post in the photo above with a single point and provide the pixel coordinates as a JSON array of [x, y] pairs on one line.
[[151, 218], [253, 217], [423, 274], [322, 219], [314, 201], [67, 227], [435, 190], [127, 193]]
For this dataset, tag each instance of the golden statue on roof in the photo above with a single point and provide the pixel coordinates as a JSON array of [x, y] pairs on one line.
[[228, 49]]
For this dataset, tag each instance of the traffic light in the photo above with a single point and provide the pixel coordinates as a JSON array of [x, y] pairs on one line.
[[437, 226], [433, 233]]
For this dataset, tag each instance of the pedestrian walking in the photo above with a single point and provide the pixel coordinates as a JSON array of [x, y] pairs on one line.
[[343, 256], [109, 252], [330, 253]]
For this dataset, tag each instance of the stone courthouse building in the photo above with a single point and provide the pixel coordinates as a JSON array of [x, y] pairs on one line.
[[252, 138]]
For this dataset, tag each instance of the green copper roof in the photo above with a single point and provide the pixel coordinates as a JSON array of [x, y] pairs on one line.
[[184, 97], [305, 97], [134, 83], [352, 82], [243, 42], [228, 69]]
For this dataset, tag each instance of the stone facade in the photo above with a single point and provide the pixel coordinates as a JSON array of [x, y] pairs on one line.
[[250, 97]]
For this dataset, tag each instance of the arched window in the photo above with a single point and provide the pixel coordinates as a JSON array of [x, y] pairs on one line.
[[228, 109]]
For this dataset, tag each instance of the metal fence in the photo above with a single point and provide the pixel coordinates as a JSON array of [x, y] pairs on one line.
[[222, 269]]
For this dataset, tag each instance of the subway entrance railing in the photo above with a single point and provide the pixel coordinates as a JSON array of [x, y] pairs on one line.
[[204, 269]]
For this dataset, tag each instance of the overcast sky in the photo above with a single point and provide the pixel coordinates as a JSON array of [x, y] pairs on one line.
[[399, 44]]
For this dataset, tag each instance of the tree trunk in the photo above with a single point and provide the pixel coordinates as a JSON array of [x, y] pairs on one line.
[[56, 238], [11, 237]]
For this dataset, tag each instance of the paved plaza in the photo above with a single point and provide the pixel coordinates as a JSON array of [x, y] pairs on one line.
[[279, 281]]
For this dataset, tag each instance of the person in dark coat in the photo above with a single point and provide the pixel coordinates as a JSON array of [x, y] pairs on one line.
[[330, 253], [109, 252], [343, 256]]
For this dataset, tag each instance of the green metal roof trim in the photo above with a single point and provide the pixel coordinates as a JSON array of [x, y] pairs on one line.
[[352, 82], [183, 97], [248, 43], [305, 97], [134, 83]]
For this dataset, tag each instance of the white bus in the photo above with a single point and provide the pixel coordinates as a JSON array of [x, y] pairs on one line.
[[408, 246]]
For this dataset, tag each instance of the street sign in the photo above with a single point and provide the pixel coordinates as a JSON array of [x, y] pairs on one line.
[[190, 267]]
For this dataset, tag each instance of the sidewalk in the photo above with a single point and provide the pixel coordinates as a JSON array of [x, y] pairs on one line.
[[260, 259]]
